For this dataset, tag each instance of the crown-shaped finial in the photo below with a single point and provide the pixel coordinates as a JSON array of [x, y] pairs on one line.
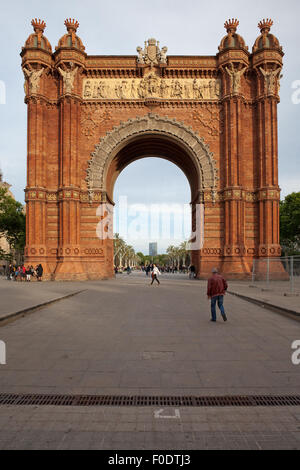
[[71, 24], [38, 25], [265, 24], [231, 25]]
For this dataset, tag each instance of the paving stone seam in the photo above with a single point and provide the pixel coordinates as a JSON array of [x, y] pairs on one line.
[[274, 308], [14, 315]]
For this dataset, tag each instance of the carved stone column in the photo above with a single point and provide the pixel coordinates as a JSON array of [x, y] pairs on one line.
[[233, 61], [268, 192], [234, 204], [267, 62], [69, 264], [267, 71], [35, 193]]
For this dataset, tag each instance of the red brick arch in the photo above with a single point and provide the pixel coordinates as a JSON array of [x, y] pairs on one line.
[[152, 135], [89, 116]]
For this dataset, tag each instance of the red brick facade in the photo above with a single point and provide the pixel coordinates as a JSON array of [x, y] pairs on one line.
[[90, 116]]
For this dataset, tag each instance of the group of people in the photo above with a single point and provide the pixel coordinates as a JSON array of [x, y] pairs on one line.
[[23, 273], [181, 269]]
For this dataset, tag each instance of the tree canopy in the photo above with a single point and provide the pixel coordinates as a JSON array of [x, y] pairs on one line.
[[12, 220], [290, 223]]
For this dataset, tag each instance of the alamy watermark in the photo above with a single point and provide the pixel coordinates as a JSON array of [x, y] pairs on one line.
[[2, 353], [2, 92], [296, 94], [156, 221], [296, 354]]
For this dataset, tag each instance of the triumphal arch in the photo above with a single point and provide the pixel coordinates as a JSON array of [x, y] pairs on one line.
[[90, 116]]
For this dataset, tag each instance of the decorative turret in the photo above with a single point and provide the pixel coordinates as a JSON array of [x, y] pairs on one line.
[[232, 40], [71, 39], [266, 40], [267, 60], [233, 59], [37, 39]]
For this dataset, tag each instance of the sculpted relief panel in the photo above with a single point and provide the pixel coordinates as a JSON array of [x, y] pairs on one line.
[[151, 86]]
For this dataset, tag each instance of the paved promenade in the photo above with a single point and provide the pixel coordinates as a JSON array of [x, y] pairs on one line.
[[123, 337]]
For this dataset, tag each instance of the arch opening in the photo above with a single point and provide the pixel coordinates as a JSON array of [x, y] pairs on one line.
[[152, 135], [152, 205], [152, 145]]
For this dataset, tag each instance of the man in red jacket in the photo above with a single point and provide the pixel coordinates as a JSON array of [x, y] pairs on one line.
[[216, 287]]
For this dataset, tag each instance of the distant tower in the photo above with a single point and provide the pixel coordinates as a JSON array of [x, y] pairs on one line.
[[153, 249]]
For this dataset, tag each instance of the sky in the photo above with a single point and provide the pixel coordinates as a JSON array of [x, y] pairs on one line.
[[190, 27]]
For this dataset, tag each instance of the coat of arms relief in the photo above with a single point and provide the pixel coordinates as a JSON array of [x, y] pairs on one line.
[[152, 85], [151, 54]]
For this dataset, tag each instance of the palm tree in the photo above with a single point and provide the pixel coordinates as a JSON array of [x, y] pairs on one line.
[[119, 248], [184, 249], [171, 251]]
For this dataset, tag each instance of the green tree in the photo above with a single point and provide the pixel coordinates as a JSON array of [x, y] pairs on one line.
[[124, 254], [171, 251], [290, 223], [142, 258], [12, 221]]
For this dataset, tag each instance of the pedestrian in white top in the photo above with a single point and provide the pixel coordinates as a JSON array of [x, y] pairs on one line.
[[155, 273]]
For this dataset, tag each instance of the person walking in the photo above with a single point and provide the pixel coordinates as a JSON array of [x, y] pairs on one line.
[[192, 274], [216, 289], [39, 272], [155, 273]]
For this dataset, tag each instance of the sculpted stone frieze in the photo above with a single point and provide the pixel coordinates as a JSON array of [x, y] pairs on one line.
[[151, 86]]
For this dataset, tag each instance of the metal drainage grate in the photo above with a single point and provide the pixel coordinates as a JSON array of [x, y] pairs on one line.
[[123, 400]]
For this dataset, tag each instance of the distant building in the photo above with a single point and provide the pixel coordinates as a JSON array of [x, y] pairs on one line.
[[153, 249]]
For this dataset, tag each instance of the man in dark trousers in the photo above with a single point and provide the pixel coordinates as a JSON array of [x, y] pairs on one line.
[[216, 288]]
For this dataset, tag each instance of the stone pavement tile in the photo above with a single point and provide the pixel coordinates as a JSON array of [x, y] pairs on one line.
[[180, 379], [79, 440], [143, 379], [259, 426], [201, 426], [7, 435], [40, 379], [276, 443], [290, 426], [100, 379], [107, 365], [296, 435], [63, 364], [123, 440], [124, 427], [114, 335], [161, 391], [167, 425], [29, 363], [27, 440], [169, 440]]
